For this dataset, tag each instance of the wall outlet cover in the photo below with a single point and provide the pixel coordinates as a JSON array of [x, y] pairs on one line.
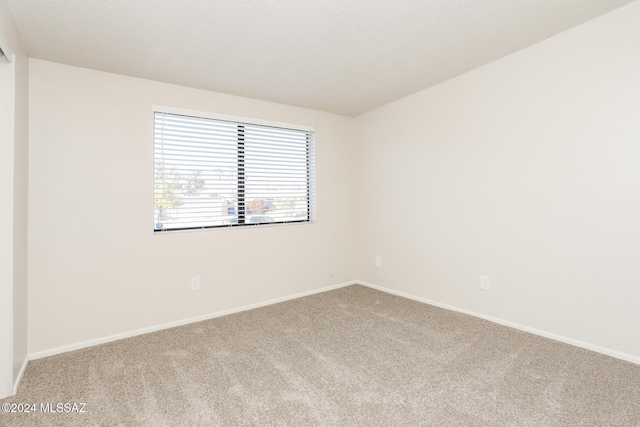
[[484, 283]]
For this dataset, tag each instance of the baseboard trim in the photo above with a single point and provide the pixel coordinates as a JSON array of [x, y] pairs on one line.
[[582, 344], [141, 331], [84, 344], [16, 384]]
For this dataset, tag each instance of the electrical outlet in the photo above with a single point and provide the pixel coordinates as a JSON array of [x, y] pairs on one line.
[[484, 283], [378, 262], [195, 283]]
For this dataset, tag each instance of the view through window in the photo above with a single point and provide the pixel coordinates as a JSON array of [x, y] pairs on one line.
[[220, 173]]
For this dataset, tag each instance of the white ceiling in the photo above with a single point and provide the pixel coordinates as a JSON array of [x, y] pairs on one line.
[[341, 56]]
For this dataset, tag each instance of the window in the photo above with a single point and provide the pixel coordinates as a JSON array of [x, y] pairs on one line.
[[212, 172]]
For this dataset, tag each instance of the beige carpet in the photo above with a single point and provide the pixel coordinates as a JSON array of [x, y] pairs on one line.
[[349, 357]]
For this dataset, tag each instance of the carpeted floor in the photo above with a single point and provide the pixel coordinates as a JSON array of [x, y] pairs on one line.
[[349, 357]]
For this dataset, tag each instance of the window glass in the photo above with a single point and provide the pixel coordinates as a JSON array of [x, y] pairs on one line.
[[219, 173]]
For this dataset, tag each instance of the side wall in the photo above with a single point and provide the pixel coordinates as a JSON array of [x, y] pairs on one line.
[[7, 114], [95, 267], [20, 215], [524, 170], [14, 127]]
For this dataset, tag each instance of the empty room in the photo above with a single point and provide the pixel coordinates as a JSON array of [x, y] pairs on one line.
[[320, 213]]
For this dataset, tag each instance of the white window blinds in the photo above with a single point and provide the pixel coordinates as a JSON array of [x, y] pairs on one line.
[[219, 173]]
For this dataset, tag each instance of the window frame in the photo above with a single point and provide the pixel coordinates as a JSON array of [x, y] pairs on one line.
[[242, 216]]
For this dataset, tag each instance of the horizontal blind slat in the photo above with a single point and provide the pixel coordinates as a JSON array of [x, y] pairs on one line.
[[270, 169]]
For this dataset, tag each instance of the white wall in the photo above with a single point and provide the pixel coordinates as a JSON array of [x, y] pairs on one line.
[[13, 203], [20, 215], [7, 113], [95, 266], [525, 170]]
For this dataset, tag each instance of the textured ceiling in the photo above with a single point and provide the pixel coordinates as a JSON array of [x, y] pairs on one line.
[[341, 56]]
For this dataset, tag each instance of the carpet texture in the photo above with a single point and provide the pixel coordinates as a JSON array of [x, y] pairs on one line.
[[349, 357]]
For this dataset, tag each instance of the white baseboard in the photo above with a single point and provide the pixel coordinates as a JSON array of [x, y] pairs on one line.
[[16, 384], [115, 337], [593, 347]]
